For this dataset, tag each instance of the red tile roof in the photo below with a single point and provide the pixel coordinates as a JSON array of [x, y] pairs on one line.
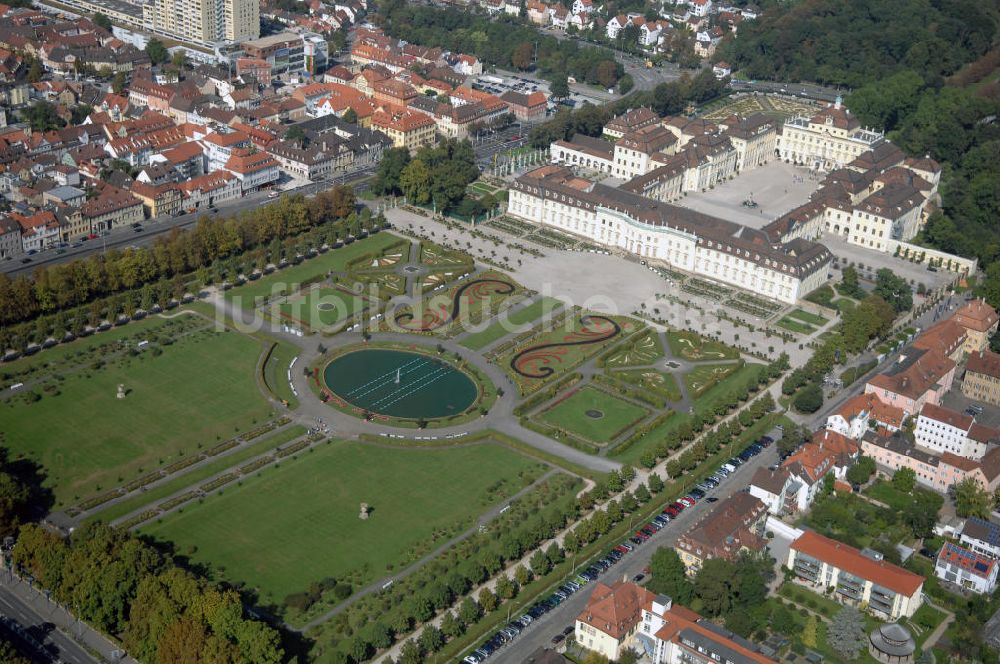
[[849, 559], [914, 377], [946, 336], [977, 315], [947, 416], [875, 408], [984, 362], [616, 609]]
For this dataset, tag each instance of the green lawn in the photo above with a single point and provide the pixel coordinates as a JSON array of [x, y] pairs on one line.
[[644, 350], [292, 525], [321, 306], [692, 346], [514, 323], [844, 304], [199, 390], [181, 481], [793, 325], [614, 415], [740, 380], [335, 260], [807, 317], [276, 372], [659, 382], [700, 379]]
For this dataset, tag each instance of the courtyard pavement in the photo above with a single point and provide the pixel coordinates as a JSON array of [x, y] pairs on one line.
[[776, 187]]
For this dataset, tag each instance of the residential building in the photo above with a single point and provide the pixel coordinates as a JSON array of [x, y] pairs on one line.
[[687, 240], [204, 22], [887, 591], [407, 129], [112, 208], [10, 238], [942, 430], [967, 569], [673, 634], [830, 139], [982, 377], [158, 199], [210, 190], [863, 412], [39, 231], [980, 321], [947, 336], [253, 169], [315, 161], [775, 488], [609, 622], [981, 536], [526, 107], [938, 472], [218, 148], [828, 452], [733, 526], [920, 376]]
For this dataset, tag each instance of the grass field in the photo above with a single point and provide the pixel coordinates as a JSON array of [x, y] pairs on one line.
[[321, 306], [694, 347], [707, 402], [614, 415], [796, 326], [807, 317], [292, 525], [276, 373], [700, 379], [658, 382], [335, 259], [510, 324], [200, 389], [183, 480]]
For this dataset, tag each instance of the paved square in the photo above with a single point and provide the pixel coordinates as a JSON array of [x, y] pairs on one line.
[[776, 187]]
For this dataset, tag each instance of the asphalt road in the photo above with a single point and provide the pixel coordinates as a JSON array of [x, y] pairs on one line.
[[120, 238], [24, 620], [540, 632]]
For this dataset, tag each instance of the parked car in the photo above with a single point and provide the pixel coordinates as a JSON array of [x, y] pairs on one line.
[[557, 639]]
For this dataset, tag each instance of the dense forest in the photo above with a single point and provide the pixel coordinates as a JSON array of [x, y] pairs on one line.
[[853, 43], [501, 42], [921, 70]]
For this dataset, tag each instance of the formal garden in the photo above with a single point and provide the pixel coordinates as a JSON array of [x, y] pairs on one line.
[[592, 413]]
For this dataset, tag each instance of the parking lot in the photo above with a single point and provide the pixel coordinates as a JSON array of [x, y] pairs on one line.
[[875, 260], [550, 621]]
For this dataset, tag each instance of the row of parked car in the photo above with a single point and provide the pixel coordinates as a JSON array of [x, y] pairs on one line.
[[508, 633]]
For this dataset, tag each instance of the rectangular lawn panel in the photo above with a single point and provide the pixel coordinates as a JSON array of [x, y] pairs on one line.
[[198, 390], [700, 379], [806, 317], [796, 326], [593, 414], [292, 525], [321, 306], [694, 347], [335, 260], [515, 322]]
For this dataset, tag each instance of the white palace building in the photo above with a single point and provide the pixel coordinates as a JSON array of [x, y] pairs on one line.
[[690, 241]]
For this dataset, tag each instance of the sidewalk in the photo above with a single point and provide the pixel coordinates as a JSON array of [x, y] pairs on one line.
[[67, 624]]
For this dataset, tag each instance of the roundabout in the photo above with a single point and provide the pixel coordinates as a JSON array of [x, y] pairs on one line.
[[402, 384]]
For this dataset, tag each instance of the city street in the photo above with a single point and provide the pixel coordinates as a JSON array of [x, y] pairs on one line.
[[540, 632], [43, 626]]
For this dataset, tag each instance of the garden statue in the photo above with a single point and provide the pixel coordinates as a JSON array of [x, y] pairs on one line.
[[121, 391], [364, 512]]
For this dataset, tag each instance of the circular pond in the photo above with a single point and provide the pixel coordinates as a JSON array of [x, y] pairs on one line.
[[400, 383]]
